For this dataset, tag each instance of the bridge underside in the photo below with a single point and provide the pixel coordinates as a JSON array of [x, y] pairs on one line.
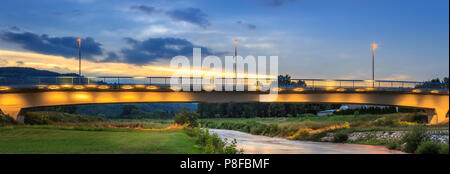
[[437, 106]]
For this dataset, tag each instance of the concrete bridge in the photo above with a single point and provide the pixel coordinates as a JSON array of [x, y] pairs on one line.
[[15, 97]]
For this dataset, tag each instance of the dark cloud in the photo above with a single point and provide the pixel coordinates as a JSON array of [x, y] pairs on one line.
[[247, 26], [143, 8], [147, 51], [191, 15], [276, 3], [111, 57], [61, 46], [14, 28]]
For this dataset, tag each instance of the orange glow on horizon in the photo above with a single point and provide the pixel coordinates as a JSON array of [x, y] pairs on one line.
[[4, 88]]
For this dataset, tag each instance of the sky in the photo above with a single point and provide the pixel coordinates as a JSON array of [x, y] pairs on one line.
[[328, 39]]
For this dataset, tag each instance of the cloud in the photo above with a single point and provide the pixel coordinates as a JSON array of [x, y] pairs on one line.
[[152, 49], [143, 8], [250, 27], [191, 15], [276, 3], [61, 46]]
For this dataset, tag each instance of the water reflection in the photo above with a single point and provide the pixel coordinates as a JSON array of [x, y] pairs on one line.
[[254, 144]]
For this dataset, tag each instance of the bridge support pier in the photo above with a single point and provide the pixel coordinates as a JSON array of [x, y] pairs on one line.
[[437, 115], [13, 112]]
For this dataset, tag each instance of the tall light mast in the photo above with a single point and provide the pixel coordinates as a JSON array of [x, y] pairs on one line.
[[374, 45], [79, 56], [235, 59]]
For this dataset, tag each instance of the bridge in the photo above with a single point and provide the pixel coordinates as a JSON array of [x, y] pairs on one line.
[[19, 93]]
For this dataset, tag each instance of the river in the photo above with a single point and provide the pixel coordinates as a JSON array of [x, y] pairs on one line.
[[255, 144]]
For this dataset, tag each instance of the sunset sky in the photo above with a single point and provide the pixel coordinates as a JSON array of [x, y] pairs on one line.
[[313, 38]]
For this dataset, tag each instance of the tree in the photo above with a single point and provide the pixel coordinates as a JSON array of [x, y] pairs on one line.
[[127, 110], [277, 110], [185, 117]]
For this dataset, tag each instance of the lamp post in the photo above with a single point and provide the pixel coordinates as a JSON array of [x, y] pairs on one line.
[[79, 60], [235, 62], [374, 45]]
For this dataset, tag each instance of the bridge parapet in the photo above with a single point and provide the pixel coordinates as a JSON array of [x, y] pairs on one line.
[[10, 84]]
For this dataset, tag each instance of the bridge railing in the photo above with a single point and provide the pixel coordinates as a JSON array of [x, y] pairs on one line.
[[164, 82]]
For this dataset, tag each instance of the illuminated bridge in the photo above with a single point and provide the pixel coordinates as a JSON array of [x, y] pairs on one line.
[[17, 93]]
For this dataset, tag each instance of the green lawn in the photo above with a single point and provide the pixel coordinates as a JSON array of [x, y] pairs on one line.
[[68, 140]]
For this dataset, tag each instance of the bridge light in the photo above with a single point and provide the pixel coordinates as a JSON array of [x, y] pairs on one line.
[[4, 88], [209, 87], [434, 91], [53, 87], [78, 87], [151, 87], [370, 89], [360, 90], [103, 87], [298, 89], [66, 86], [330, 88], [416, 91], [175, 88], [276, 89], [140, 86], [341, 90], [127, 87]]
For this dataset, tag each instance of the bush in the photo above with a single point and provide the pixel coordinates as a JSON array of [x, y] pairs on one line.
[[301, 134], [50, 117], [340, 136], [212, 143], [6, 120], [413, 139], [385, 121], [444, 149], [428, 147], [186, 117]]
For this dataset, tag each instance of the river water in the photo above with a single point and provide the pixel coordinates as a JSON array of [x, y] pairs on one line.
[[255, 144]]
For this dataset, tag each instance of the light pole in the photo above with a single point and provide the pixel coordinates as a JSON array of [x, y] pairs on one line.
[[374, 45], [235, 62], [79, 60]]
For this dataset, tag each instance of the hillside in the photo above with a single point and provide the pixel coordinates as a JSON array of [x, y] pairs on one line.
[[25, 71]]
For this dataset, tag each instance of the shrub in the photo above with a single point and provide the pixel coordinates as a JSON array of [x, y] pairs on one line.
[[384, 121], [50, 117], [212, 143], [393, 145], [6, 120], [186, 117], [301, 134], [413, 139], [340, 136], [428, 147], [444, 149]]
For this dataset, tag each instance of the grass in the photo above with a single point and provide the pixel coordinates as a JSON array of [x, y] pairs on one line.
[[88, 140]]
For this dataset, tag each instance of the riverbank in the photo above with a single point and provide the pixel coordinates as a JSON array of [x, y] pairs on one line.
[[257, 144], [395, 131]]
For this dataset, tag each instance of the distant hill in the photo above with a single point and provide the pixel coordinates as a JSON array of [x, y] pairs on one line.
[[24, 71], [114, 110]]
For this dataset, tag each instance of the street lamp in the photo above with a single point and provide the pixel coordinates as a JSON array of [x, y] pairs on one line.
[[374, 45], [79, 60]]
